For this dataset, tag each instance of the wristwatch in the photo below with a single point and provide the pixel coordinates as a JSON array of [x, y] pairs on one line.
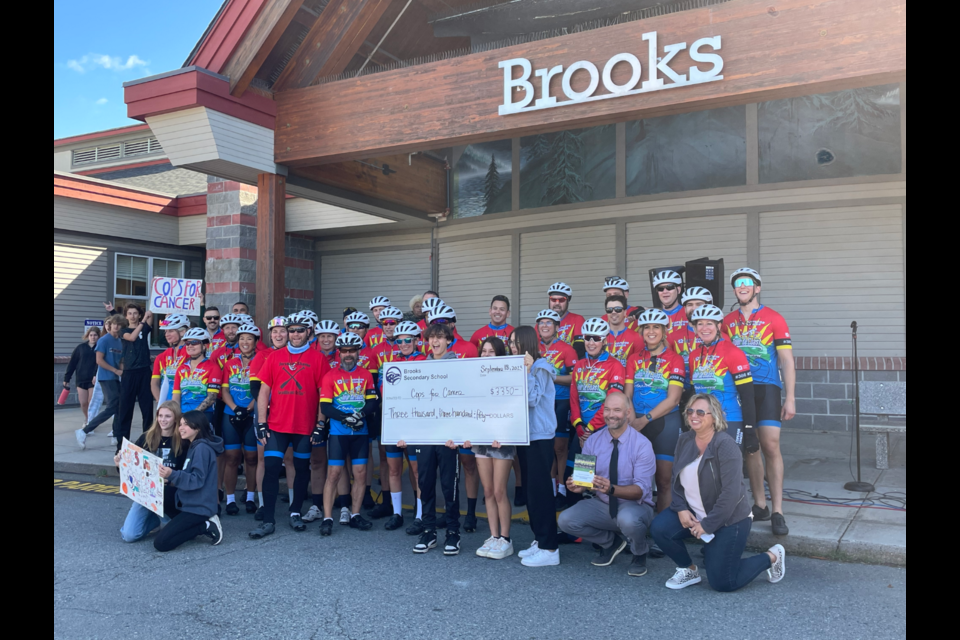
[[610, 490], [649, 417]]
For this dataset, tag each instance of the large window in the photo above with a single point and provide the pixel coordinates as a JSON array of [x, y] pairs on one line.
[[133, 276]]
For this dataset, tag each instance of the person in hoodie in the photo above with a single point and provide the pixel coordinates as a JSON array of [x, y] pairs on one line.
[[196, 486]]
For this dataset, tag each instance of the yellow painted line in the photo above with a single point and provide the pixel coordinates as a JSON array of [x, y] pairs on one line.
[[89, 487]]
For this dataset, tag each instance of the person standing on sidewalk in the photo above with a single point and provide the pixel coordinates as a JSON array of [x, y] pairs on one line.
[[135, 386], [109, 369], [83, 363]]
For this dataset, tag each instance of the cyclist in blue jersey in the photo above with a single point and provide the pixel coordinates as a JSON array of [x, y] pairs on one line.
[[238, 432]]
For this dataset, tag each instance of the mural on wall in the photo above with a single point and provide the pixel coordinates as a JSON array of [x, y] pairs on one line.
[[855, 132], [482, 179], [700, 150], [567, 167]]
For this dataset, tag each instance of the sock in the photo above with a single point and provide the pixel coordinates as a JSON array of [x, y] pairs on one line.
[[554, 488], [294, 513], [318, 500], [290, 492], [563, 489], [354, 515], [419, 509], [250, 496], [471, 507], [505, 538], [260, 497], [231, 499], [397, 499]]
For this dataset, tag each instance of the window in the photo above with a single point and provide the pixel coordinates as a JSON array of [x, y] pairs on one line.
[[116, 150], [132, 280]]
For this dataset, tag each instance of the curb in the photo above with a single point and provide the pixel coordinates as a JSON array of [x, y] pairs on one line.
[[805, 546], [86, 469]]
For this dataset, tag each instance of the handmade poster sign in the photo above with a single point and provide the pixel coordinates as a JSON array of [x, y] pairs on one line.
[[140, 477], [176, 295]]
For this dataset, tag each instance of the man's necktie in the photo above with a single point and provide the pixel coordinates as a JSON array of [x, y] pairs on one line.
[[614, 473]]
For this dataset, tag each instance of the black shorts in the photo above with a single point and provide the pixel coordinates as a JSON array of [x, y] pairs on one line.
[[86, 385], [393, 451], [564, 429], [375, 425], [735, 430], [341, 448], [769, 405], [665, 444]]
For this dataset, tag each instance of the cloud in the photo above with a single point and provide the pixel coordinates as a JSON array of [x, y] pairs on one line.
[[102, 101], [112, 63]]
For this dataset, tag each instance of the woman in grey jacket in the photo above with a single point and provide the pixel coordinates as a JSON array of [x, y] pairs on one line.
[[709, 503], [196, 486]]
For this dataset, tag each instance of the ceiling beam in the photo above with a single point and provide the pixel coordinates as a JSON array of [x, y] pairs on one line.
[[332, 41], [257, 44]]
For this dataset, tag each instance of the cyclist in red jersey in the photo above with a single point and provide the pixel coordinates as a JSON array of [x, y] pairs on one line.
[[229, 324], [764, 336], [622, 342], [498, 327], [669, 287], [377, 305], [595, 376], [290, 387], [685, 340], [571, 324], [197, 383], [326, 333], [431, 300], [358, 323], [325, 338], [211, 320], [166, 364], [239, 437], [617, 286], [383, 352], [243, 309]]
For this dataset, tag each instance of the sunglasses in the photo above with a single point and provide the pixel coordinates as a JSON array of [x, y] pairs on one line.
[[698, 412], [405, 341], [356, 325], [743, 282], [389, 323], [666, 287], [558, 299], [297, 330], [344, 351], [440, 321], [210, 318], [592, 339], [614, 309], [193, 343]]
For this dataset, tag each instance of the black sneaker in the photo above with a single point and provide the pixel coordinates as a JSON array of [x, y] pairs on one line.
[[565, 538], [779, 525], [470, 524], [233, 509], [263, 530], [761, 515], [251, 507], [451, 547], [258, 516], [605, 557], [560, 502], [394, 523], [357, 522], [416, 529], [368, 501], [326, 527], [655, 552], [383, 510], [520, 497], [638, 567], [297, 523], [215, 530], [427, 541]]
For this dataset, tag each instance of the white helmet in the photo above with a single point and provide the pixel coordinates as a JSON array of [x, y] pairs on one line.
[[379, 301], [391, 313], [562, 288], [197, 334], [279, 321], [175, 321], [349, 340], [307, 313], [249, 329], [327, 326], [707, 312], [430, 304], [697, 293], [616, 282], [232, 318], [745, 271], [246, 317], [407, 329], [442, 312], [667, 277], [300, 320], [548, 314], [596, 327], [653, 316], [357, 317]]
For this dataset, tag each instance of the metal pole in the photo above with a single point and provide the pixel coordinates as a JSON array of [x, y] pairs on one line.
[[859, 486]]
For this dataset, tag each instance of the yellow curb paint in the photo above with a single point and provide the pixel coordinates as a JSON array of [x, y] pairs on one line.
[[89, 487]]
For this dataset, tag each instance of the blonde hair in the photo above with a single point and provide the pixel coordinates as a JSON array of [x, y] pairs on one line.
[[86, 334], [153, 435], [414, 301], [119, 321], [716, 410]]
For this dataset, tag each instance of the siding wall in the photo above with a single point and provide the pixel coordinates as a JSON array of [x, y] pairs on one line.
[[79, 287], [102, 219], [193, 230], [473, 272], [353, 279], [308, 215]]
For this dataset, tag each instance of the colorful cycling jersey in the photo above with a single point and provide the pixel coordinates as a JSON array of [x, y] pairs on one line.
[[236, 382], [366, 359], [652, 376], [503, 332], [374, 337], [718, 370], [382, 353], [684, 341], [760, 337], [224, 353], [564, 360], [347, 391], [624, 344], [571, 329], [592, 381], [294, 380], [217, 341], [678, 320], [165, 368], [631, 322], [463, 349], [192, 384], [396, 356]]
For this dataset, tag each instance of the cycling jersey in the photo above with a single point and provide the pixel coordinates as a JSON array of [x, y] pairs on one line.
[[374, 337], [396, 356], [236, 382], [571, 329], [165, 367], [684, 341], [624, 344], [463, 349], [347, 391], [192, 385], [224, 353], [365, 359], [592, 381], [294, 381], [503, 332], [259, 360], [760, 337], [678, 320], [718, 370], [631, 322], [217, 341], [382, 353], [652, 376], [563, 359]]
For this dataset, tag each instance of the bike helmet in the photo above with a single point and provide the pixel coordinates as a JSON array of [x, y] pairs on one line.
[[279, 321], [197, 334], [314, 318], [653, 316], [745, 271], [391, 313], [379, 301], [407, 329], [707, 312], [232, 318], [562, 288], [357, 317], [249, 329], [616, 282], [349, 341], [667, 277], [175, 321], [442, 312], [430, 304], [548, 314], [300, 320], [327, 326], [697, 293], [596, 327]]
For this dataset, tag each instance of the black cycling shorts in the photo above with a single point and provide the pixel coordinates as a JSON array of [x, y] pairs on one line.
[[665, 444], [769, 405], [562, 408], [342, 448], [393, 451]]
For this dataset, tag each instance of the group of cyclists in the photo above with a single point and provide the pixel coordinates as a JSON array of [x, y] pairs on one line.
[[302, 395]]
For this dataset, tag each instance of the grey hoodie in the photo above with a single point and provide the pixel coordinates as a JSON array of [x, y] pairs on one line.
[[196, 484], [541, 398]]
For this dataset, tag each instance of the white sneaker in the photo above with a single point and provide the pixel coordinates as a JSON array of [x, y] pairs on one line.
[[683, 578], [542, 558], [488, 545], [779, 568], [113, 441], [110, 435], [345, 516], [526, 553], [503, 549], [313, 515], [81, 438]]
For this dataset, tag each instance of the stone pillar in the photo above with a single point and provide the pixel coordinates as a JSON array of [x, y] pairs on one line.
[[299, 281], [231, 270]]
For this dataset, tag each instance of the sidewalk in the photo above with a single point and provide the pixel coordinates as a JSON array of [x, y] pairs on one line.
[[817, 466]]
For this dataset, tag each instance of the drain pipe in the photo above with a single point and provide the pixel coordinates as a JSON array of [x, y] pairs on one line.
[[376, 48]]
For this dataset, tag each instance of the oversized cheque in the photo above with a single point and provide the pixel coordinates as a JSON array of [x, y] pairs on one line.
[[477, 399]]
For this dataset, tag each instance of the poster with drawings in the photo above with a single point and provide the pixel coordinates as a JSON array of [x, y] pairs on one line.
[[140, 477]]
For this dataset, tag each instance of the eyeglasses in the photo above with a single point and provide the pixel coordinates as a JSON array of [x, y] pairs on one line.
[[614, 309], [698, 412], [405, 341], [440, 321], [297, 330], [389, 323], [592, 339], [192, 343], [743, 282], [666, 287], [211, 318], [558, 298], [346, 351], [356, 326]]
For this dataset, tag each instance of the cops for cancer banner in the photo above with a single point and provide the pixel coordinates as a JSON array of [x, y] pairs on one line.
[[176, 295], [480, 400]]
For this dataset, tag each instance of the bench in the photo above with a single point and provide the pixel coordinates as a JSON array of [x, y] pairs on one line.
[[883, 400]]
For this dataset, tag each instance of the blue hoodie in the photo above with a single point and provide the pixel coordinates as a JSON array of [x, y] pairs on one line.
[[541, 397], [196, 484]]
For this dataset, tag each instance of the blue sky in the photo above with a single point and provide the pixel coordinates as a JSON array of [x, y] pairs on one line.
[[100, 44]]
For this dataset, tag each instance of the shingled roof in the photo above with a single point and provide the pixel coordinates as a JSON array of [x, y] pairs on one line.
[[160, 177]]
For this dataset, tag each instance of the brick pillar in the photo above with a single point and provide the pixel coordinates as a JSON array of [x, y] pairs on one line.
[[299, 275], [231, 273]]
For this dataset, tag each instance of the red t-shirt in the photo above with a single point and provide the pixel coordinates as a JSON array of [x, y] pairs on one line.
[[624, 345], [258, 361], [294, 381], [483, 333]]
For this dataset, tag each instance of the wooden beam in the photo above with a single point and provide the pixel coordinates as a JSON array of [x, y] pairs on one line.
[[271, 245], [418, 182], [799, 47], [258, 42], [332, 41]]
